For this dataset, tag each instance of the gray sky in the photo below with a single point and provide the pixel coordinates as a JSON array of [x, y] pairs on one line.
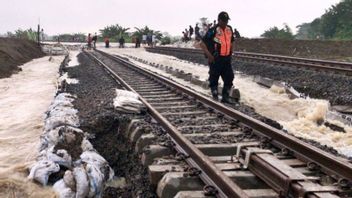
[[250, 17]]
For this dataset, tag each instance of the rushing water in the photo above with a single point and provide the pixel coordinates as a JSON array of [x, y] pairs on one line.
[[24, 98]]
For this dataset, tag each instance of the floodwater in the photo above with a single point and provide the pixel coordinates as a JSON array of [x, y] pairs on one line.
[[298, 116], [24, 98]]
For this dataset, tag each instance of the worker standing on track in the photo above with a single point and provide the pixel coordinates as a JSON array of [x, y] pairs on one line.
[[89, 40], [217, 45], [190, 32], [95, 38], [121, 42], [107, 42]]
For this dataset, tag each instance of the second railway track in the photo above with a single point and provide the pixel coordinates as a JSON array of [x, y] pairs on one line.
[[344, 68], [233, 154]]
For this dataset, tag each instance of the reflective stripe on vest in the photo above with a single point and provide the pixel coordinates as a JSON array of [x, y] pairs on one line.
[[224, 39]]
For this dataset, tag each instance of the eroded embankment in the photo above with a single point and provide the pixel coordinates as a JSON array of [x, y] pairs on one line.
[[15, 52]]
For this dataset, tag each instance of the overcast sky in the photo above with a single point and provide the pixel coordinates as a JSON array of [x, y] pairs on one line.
[[250, 17]]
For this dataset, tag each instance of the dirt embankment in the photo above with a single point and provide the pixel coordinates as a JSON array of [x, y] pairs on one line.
[[15, 52], [331, 50]]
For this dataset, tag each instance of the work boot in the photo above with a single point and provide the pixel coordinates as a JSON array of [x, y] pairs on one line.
[[214, 93], [225, 95]]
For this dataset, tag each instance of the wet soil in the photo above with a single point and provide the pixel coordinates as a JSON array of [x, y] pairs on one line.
[[15, 52], [94, 102]]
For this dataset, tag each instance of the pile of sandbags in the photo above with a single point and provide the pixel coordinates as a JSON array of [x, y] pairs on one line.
[[64, 147]]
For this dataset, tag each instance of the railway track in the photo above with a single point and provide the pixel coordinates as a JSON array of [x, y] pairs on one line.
[[227, 153], [315, 64]]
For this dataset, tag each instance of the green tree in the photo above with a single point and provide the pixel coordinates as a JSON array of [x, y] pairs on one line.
[[335, 23], [276, 33], [75, 37], [114, 32], [147, 31], [166, 39], [29, 34]]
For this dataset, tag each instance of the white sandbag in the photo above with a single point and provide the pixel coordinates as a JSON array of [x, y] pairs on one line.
[[96, 180], [82, 182], [58, 134], [41, 171], [125, 93], [64, 97], [86, 145], [63, 109], [127, 101], [61, 157], [69, 180], [62, 190], [68, 80], [94, 158], [60, 120], [60, 104]]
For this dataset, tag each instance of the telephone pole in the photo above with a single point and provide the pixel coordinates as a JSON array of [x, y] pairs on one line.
[[38, 33]]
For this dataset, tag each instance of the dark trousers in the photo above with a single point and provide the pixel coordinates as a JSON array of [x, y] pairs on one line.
[[221, 67]]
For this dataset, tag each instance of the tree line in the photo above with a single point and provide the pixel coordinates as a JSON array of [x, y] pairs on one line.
[[113, 32], [335, 24]]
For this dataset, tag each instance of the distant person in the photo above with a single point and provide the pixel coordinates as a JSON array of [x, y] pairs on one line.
[[95, 38], [237, 34], [187, 34], [203, 30], [144, 39], [107, 42], [121, 42], [196, 32], [185, 37], [190, 32], [210, 25], [89, 40], [214, 23], [217, 45], [149, 39], [153, 40], [138, 42], [42, 35]]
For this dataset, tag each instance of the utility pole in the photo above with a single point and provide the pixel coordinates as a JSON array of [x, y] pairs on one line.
[[38, 33]]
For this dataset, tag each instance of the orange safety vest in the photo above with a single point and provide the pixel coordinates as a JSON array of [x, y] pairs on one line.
[[224, 37]]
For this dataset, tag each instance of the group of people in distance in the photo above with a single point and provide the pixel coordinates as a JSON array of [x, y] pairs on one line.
[[200, 32], [91, 40], [149, 40]]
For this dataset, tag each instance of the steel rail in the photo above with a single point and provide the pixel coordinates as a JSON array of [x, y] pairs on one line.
[[302, 150], [341, 67], [306, 60], [210, 173]]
